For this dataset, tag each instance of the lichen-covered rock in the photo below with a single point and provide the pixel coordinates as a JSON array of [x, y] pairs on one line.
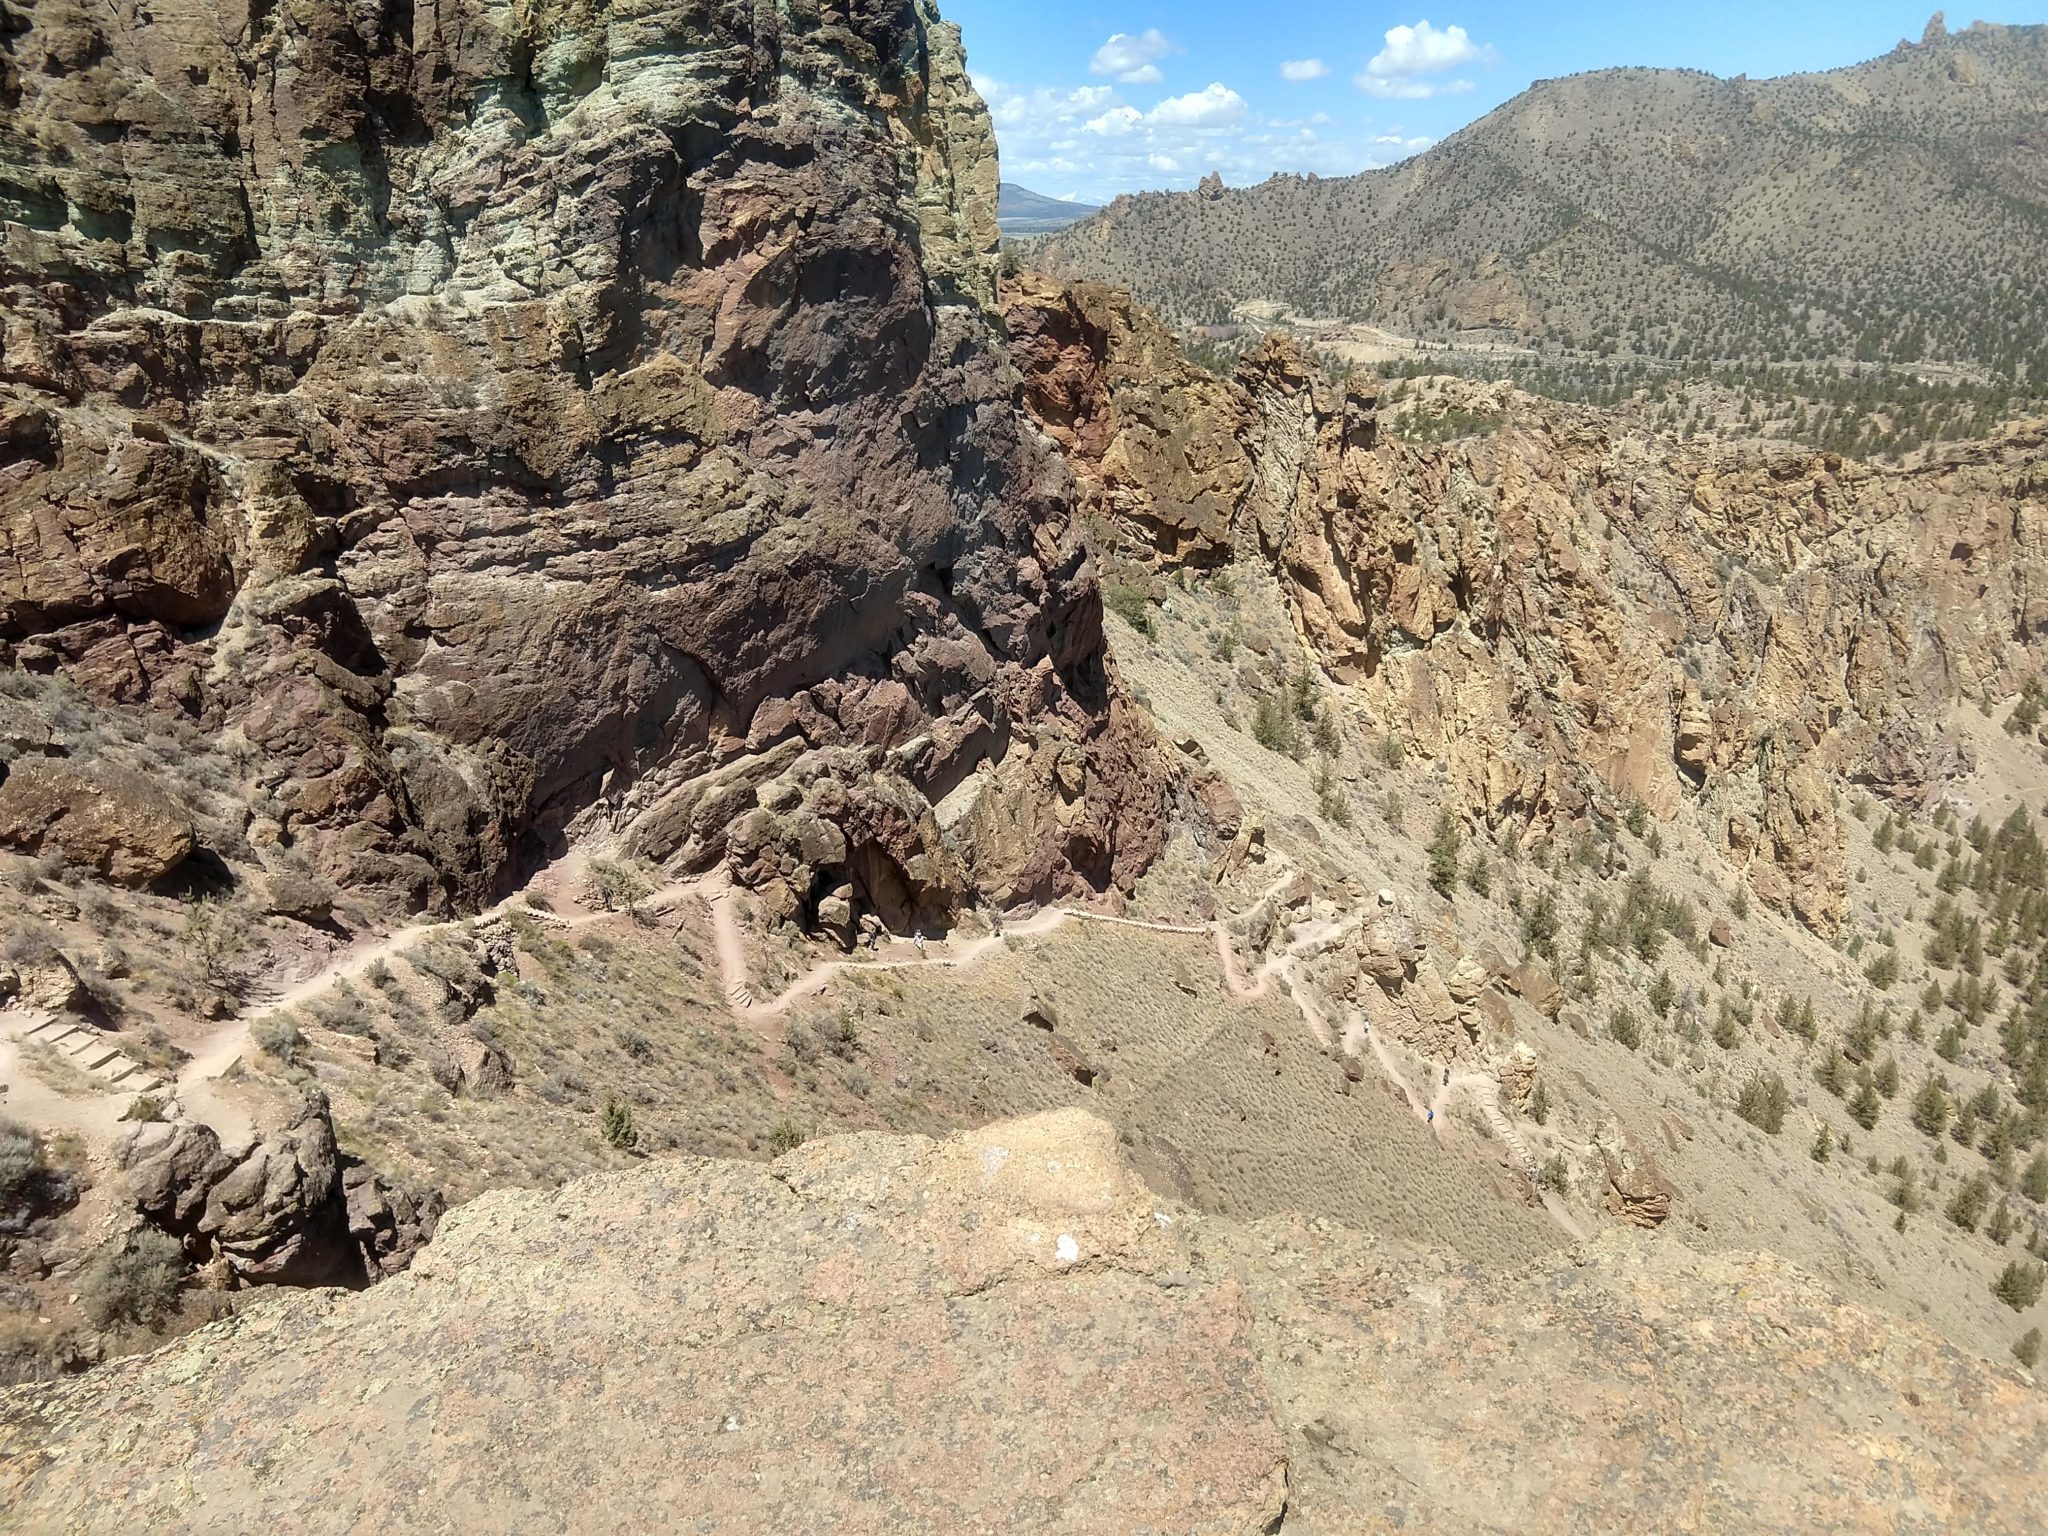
[[507, 417], [1008, 1331], [116, 822], [877, 1334]]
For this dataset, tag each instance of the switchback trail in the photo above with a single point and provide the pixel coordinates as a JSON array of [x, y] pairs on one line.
[[196, 1086]]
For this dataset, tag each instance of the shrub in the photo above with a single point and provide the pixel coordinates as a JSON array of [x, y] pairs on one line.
[[1883, 972], [20, 1163], [1392, 751], [1726, 1034], [1823, 1144], [615, 1124], [147, 1107], [1623, 1027], [1866, 1107], [615, 887], [2002, 1224], [134, 1281], [1444, 848], [1763, 1102], [2019, 1284], [277, 1035], [785, 1135], [1479, 877], [1539, 1105], [1273, 727], [215, 935], [2034, 1182], [1130, 604], [2028, 1350], [1540, 926], [1663, 993]]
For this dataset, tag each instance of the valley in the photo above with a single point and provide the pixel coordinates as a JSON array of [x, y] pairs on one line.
[[679, 838]]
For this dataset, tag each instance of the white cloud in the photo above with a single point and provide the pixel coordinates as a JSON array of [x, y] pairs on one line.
[[1303, 69], [1133, 60], [1411, 90], [1397, 71], [1214, 106], [1422, 50], [1117, 120], [1095, 144]]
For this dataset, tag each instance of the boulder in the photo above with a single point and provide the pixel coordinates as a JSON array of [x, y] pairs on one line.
[[118, 823], [40, 979], [1534, 983], [388, 1224], [278, 1214], [480, 1068], [169, 1169], [292, 1210], [1637, 1192]]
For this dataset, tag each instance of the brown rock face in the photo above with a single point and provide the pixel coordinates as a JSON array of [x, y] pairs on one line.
[[1565, 615], [107, 819], [1151, 437], [292, 1210], [505, 417]]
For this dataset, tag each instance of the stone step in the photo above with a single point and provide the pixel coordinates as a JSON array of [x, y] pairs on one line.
[[93, 1057]]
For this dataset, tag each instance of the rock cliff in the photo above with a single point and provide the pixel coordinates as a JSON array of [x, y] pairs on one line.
[[1568, 616], [508, 419], [1007, 1331]]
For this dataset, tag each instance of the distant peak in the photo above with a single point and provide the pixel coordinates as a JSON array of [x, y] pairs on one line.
[[1937, 28]]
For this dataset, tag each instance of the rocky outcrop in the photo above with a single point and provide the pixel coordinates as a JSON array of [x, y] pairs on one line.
[[1565, 615], [292, 1210], [504, 419], [1008, 1331], [1150, 435], [112, 821], [1002, 1332]]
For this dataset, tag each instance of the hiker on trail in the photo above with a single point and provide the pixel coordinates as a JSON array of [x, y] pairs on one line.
[[1432, 1117], [917, 938]]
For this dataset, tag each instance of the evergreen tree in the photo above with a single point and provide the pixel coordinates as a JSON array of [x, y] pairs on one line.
[[1443, 855], [1930, 1107]]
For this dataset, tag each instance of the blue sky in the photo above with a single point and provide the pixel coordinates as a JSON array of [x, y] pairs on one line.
[[1092, 99]]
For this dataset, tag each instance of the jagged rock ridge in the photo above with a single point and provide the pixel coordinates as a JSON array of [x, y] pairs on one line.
[[1567, 616], [517, 418]]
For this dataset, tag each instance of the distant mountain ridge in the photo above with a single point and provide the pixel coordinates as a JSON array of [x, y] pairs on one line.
[[1021, 211], [1894, 210]]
